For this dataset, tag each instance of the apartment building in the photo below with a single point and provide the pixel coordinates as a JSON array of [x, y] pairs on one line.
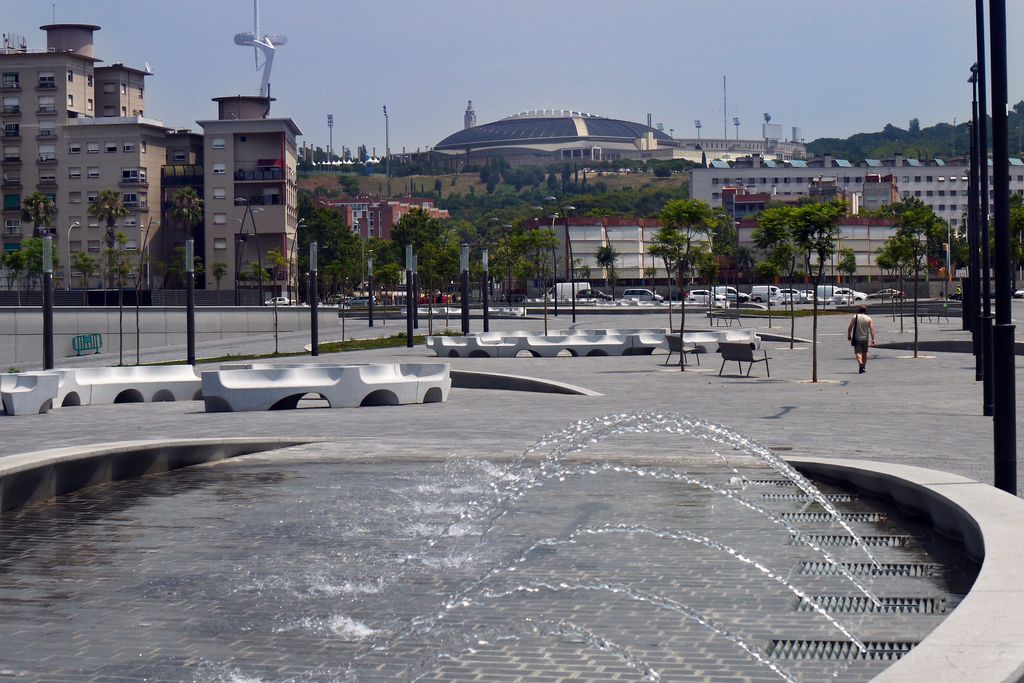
[[369, 217], [939, 183], [251, 191]]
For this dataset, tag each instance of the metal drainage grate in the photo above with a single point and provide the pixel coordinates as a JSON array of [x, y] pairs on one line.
[[824, 517], [841, 604], [845, 541], [771, 482], [802, 498], [877, 650], [912, 569]]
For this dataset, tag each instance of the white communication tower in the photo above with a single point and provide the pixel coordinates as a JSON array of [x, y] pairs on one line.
[[267, 44]]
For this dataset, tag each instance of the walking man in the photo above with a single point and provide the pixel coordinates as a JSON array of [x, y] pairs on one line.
[[861, 329]]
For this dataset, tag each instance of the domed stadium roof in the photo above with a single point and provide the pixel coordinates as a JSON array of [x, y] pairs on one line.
[[548, 126]]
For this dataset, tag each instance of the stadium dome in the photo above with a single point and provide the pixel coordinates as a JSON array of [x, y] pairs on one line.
[[540, 135]]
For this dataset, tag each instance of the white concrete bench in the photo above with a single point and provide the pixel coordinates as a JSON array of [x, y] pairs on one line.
[[342, 386], [139, 384], [473, 346], [28, 393]]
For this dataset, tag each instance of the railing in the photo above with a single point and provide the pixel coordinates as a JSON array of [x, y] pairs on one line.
[[10, 85], [12, 160], [46, 85], [12, 109], [16, 133], [138, 204], [134, 181], [12, 232], [47, 109], [46, 134], [47, 158], [259, 174], [266, 200]]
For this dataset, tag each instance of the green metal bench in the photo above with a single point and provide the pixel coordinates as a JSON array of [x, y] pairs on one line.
[[87, 342]]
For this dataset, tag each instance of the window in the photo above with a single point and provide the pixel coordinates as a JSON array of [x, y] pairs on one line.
[[130, 200], [142, 93], [47, 177], [88, 104], [47, 104], [109, 88], [91, 197], [12, 130], [71, 100], [219, 193], [124, 111], [219, 169], [92, 147], [12, 201], [74, 197], [942, 207], [88, 80], [128, 147], [917, 179], [10, 79], [906, 179], [942, 193], [142, 146], [47, 79], [917, 193], [75, 148], [12, 153], [220, 243], [952, 207], [952, 193], [75, 172], [929, 193], [71, 76], [131, 245], [110, 147], [220, 219], [94, 245], [12, 105], [124, 88], [47, 129], [109, 110], [218, 143], [928, 179], [131, 222], [179, 156], [12, 226], [47, 153], [93, 171]]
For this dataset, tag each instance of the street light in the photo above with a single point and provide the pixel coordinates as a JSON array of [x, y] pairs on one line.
[[387, 151], [293, 294], [697, 124], [67, 267], [486, 288], [409, 305], [736, 122], [190, 302], [47, 257], [464, 266], [564, 210]]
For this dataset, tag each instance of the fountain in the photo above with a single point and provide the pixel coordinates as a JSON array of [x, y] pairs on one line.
[[579, 556]]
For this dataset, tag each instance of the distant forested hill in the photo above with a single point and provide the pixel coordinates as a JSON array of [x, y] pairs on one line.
[[942, 140]]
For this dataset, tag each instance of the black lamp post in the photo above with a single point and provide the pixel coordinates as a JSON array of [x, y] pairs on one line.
[[464, 267], [984, 242], [563, 210], [969, 296], [415, 292], [314, 300], [190, 302], [409, 304], [1004, 422], [47, 302], [244, 201], [485, 289], [369, 301]]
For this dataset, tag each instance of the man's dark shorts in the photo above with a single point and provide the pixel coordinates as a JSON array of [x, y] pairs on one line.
[[860, 346]]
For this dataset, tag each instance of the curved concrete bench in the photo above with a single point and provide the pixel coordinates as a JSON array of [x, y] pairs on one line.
[[342, 386], [140, 384], [501, 345], [28, 393], [473, 346]]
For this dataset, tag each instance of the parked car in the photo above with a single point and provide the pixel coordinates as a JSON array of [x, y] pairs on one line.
[[641, 295], [887, 294], [764, 293], [593, 294], [731, 294], [280, 301], [700, 297], [799, 296], [1019, 294], [359, 302]]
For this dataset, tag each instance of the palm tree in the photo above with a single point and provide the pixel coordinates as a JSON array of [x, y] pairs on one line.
[[38, 208], [108, 207], [187, 207], [606, 258]]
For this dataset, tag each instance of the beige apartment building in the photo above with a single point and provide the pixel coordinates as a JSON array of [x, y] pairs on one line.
[[251, 207]]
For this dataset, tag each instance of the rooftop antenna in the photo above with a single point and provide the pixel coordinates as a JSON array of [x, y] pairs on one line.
[[266, 44]]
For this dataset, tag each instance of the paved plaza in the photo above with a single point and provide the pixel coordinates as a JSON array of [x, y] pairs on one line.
[[924, 412]]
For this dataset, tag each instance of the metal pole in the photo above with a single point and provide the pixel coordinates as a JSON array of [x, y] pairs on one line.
[[387, 151], [190, 302], [985, 242], [314, 327], [464, 264], [416, 292], [969, 301], [1004, 427], [47, 302], [409, 305], [369, 301], [554, 265], [485, 289]]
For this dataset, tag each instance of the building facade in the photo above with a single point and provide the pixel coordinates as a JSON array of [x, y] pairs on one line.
[[371, 217]]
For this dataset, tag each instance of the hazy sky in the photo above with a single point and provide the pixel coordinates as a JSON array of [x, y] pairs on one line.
[[833, 68]]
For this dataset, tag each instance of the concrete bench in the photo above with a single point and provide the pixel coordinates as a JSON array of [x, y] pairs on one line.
[[697, 339], [342, 386], [28, 393], [473, 346], [741, 352], [138, 384]]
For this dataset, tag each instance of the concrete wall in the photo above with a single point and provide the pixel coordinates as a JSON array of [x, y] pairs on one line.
[[21, 329]]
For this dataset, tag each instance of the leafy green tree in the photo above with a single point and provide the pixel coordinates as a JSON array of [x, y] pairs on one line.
[[774, 237], [277, 261], [14, 262], [219, 270], [814, 233], [85, 264], [847, 264], [118, 269], [537, 246], [40, 209], [685, 231]]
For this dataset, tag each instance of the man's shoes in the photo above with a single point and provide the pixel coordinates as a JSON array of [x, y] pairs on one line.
[[862, 369]]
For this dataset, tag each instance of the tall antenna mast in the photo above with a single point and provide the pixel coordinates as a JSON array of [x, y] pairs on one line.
[[265, 43]]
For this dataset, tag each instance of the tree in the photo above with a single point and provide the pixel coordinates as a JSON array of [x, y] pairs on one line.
[[847, 264], [40, 209], [118, 269], [686, 225], [14, 262], [87, 266], [537, 246], [814, 233], [108, 208], [187, 207], [606, 258], [917, 225], [276, 260], [32, 248], [219, 270]]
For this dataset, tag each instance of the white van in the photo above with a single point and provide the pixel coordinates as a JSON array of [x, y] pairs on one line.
[[764, 293]]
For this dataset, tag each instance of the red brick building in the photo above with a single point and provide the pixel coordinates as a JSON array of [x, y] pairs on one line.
[[372, 217]]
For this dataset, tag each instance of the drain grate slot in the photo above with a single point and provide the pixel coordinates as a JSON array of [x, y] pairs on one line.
[[771, 482], [824, 517], [860, 604], [911, 569], [846, 541], [803, 498], [878, 650]]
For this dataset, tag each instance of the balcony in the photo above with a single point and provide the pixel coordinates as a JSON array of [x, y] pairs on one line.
[[12, 232], [10, 86], [46, 84], [11, 161], [11, 110], [47, 182], [46, 134], [259, 174], [266, 200], [133, 182], [46, 159], [12, 182], [137, 205], [12, 134], [47, 109]]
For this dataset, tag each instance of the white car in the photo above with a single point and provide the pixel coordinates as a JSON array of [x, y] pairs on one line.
[[279, 301], [700, 297], [641, 295], [798, 296]]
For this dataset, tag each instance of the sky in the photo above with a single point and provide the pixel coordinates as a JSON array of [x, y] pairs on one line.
[[831, 68]]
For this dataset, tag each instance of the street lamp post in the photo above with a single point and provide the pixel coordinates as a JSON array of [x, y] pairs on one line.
[[387, 150], [409, 305], [485, 290], [554, 264], [244, 201], [369, 301], [464, 266], [416, 292], [67, 266], [47, 302], [314, 331], [564, 210], [293, 293], [984, 242], [190, 302]]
